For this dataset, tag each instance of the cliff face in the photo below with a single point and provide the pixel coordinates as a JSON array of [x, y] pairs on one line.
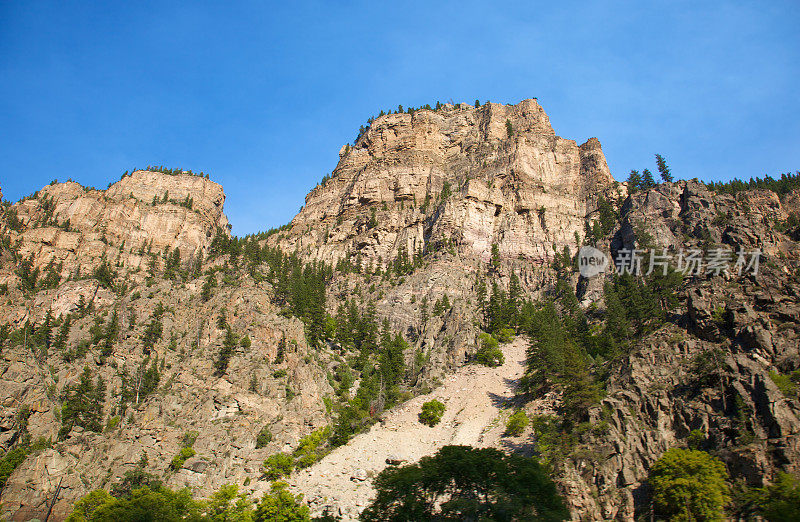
[[411, 214], [711, 367], [460, 175], [66, 231], [77, 226]]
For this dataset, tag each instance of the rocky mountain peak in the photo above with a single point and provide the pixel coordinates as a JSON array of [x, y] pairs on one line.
[[74, 226], [470, 176]]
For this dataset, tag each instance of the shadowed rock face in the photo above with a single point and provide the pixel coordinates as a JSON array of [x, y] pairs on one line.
[[526, 191]]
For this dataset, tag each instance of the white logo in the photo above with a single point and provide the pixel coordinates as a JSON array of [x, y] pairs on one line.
[[591, 261]]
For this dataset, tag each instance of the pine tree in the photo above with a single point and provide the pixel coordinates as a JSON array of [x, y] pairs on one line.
[[634, 182], [280, 353], [60, 342], [83, 404], [663, 169], [110, 335], [495, 256], [648, 181]]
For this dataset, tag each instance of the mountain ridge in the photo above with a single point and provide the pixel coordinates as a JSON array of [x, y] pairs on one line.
[[428, 220]]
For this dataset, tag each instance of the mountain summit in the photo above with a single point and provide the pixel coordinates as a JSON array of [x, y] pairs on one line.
[[428, 294]]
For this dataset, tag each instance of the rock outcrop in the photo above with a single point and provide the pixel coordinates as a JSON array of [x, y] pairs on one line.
[[76, 227], [461, 175], [424, 206]]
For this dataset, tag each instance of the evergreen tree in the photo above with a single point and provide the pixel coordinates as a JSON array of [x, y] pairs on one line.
[[281, 351], [634, 182], [60, 342], [647, 180], [226, 352], [83, 404], [663, 169]]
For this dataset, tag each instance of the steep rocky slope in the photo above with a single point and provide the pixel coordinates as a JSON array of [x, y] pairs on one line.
[[130, 233], [424, 205], [449, 185]]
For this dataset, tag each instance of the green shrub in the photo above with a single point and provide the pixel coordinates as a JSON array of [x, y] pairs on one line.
[[245, 341], [179, 459], [279, 373], [696, 439], [280, 504], [517, 423], [189, 438], [309, 450], [264, 437], [781, 500], [9, 462], [112, 422], [432, 412], [278, 465], [186, 451], [689, 485], [489, 354], [505, 335], [784, 383]]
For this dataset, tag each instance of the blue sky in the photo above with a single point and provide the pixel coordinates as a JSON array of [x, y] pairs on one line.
[[263, 94]]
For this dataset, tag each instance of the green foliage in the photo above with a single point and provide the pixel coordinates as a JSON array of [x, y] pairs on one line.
[[264, 437], [696, 439], [136, 387], [298, 287], [509, 128], [505, 335], [152, 332], [105, 275], [134, 479], [557, 356], [83, 510], [381, 361], [634, 182], [281, 351], [489, 354], [689, 485], [9, 462], [663, 169], [208, 287], [12, 220], [83, 404], [179, 459], [495, 256], [226, 352], [432, 412], [311, 448], [186, 452], [228, 505], [28, 275], [279, 505], [786, 183], [780, 502], [787, 384], [607, 218], [517, 423], [463, 483], [144, 504], [278, 465], [446, 191]]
